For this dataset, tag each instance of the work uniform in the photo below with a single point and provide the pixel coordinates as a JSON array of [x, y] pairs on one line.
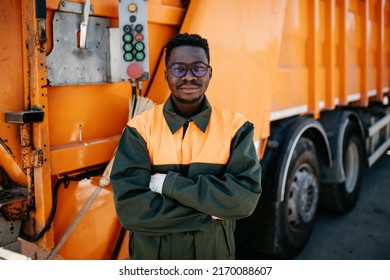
[[213, 178]]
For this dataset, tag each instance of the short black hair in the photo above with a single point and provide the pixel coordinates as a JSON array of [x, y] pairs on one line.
[[186, 39]]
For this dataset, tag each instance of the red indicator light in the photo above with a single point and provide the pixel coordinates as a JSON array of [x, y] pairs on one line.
[[139, 37]]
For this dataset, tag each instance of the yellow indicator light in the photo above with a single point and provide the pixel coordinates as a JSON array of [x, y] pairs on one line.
[[132, 7]]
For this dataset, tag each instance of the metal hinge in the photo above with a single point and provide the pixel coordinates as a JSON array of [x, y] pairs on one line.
[[37, 158]]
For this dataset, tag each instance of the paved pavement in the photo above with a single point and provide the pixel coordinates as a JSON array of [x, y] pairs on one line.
[[362, 234]]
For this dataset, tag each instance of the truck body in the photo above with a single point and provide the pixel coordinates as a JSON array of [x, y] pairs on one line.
[[312, 75]]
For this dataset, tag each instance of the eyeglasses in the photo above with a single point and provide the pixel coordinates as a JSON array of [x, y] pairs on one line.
[[179, 70]]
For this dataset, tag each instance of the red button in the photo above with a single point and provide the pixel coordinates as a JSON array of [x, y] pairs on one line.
[[135, 70]]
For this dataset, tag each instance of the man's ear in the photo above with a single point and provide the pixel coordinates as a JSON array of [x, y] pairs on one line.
[[210, 72], [165, 75]]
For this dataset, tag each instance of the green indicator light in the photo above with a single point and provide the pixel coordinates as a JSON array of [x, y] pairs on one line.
[[128, 56], [139, 46], [127, 47], [140, 56], [127, 38]]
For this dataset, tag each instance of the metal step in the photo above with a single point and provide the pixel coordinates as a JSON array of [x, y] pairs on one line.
[[13, 208]]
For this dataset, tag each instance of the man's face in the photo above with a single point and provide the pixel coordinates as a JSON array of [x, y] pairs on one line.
[[188, 90]]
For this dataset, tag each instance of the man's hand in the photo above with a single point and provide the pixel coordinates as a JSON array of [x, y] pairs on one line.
[[156, 182], [217, 218]]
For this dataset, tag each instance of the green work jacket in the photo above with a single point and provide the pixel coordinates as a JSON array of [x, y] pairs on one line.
[[213, 178]]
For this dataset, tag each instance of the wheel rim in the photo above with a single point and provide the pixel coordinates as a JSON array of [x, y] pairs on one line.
[[303, 197], [351, 167]]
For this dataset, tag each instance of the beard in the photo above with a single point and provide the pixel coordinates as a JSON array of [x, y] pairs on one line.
[[196, 99], [189, 102]]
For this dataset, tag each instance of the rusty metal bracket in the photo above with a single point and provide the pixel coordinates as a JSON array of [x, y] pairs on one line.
[[32, 158], [13, 204]]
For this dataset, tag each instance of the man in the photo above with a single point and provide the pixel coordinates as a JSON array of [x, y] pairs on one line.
[[184, 171]]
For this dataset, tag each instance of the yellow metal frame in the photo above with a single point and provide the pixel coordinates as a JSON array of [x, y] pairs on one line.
[[35, 96]]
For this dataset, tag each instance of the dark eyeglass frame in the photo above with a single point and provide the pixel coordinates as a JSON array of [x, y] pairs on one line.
[[187, 67]]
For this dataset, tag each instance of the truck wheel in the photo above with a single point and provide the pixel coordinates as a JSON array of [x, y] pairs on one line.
[[340, 198], [301, 197]]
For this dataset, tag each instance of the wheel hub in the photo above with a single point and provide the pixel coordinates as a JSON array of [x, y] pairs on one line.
[[351, 167], [303, 197]]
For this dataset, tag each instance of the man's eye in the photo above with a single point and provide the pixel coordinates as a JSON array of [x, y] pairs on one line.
[[178, 68], [199, 67]]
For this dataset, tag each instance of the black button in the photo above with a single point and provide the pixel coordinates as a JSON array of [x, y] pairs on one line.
[[138, 28], [133, 18], [127, 28]]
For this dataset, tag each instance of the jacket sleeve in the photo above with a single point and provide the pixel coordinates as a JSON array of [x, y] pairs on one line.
[[233, 195], [137, 207]]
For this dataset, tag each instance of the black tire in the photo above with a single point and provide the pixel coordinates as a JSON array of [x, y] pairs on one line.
[[341, 198], [301, 198]]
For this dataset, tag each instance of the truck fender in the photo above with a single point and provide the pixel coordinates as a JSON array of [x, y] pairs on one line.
[[334, 123], [301, 126]]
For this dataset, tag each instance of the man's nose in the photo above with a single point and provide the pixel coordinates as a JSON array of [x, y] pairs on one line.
[[189, 75]]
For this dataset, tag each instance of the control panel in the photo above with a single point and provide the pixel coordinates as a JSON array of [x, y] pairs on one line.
[[133, 30]]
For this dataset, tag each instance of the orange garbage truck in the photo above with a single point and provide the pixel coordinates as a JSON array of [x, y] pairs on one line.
[[312, 75]]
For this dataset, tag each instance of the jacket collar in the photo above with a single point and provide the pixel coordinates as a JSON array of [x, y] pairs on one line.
[[176, 121]]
